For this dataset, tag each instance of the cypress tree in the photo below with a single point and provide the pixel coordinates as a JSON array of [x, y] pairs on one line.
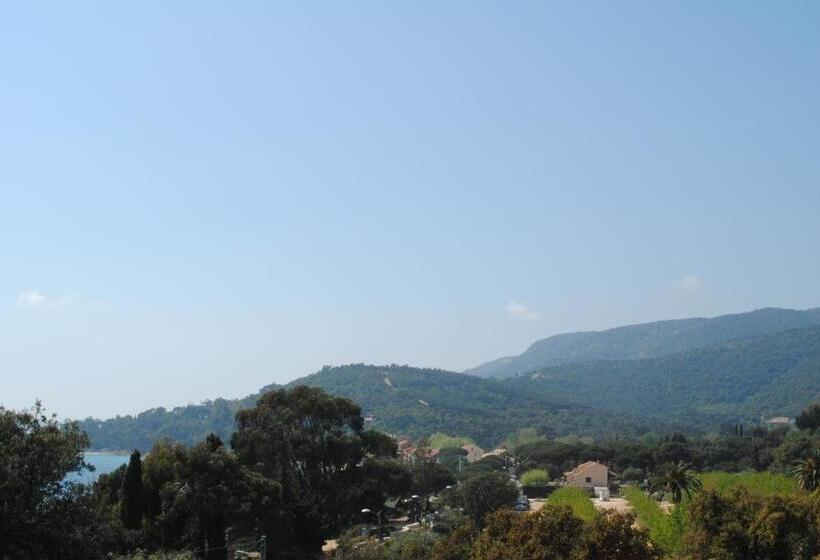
[[133, 500]]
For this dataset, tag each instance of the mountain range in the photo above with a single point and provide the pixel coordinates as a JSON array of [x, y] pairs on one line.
[[694, 375], [647, 340]]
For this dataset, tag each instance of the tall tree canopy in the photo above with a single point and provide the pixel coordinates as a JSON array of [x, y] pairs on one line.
[[133, 500], [314, 446], [41, 516]]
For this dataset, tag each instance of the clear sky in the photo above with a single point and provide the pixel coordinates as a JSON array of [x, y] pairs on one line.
[[198, 199]]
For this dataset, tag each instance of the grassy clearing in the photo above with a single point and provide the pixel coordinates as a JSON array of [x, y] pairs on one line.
[[577, 499], [665, 530], [761, 483]]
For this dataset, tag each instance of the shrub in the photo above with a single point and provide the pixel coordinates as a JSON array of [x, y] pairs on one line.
[[665, 530], [535, 477], [556, 533], [741, 524], [577, 499]]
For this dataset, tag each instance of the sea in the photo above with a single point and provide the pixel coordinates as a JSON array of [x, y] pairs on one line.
[[103, 463]]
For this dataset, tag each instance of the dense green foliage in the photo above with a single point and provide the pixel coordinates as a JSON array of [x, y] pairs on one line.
[[304, 468], [185, 424], [773, 451], [40, 515], [418, 402], [485, 493], [807, 471], [555, 533], [673, 481], [665, 529], [133, 499], [741, 524], [312, 445], [758, 483], [535, 477], [671, 529], [401, 399], [809, 419], [576, 498], [737, 381], [709, 389], [647, 340]]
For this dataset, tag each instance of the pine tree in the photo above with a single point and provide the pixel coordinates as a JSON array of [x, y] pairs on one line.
[[132, 493]]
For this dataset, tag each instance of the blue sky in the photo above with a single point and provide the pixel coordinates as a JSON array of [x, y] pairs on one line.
[[197, 199]]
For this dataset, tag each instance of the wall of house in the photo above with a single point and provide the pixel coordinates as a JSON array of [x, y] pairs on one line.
[[597, 475]]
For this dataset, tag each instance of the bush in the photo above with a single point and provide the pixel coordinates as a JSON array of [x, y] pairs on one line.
[[555, 533], [741, 524], [577, 499], [535, 477], [665, 530]]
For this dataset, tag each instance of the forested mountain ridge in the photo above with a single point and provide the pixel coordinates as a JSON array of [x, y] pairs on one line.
[[416, 402], [702, 389], [647, 340], [400, 400], [737, 381], [185, 424]]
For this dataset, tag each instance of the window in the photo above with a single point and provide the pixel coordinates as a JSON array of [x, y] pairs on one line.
[[589, 479]]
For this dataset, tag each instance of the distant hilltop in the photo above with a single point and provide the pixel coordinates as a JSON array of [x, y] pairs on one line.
[[690, 375], [646, 340]]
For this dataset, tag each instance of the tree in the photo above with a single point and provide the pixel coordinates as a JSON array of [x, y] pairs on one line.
[[674, 480], [311, 444], [458, 545], [613, 536], [550, 534], [133, 498], [535, 477], [740, 524], [809, 419], [555, 533], [807, 471], [429, 477], [486, 493], [42, 516]]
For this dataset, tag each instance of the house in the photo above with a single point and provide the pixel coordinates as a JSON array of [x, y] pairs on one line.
[[588, 475], [779, 421], [499, 452], [474, 452]]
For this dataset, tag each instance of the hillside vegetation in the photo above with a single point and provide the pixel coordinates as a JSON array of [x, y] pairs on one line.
[[707, 389], [400, 400], [737, 381], [646, 340], [417, 402]]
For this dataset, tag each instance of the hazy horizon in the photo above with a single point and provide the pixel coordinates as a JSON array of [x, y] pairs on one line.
[[201, 199]]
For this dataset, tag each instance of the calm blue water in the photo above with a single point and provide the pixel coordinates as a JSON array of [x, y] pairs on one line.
[[104, 463]]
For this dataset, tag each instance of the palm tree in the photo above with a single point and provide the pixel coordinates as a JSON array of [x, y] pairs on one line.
[[807, 471], [675, 480]]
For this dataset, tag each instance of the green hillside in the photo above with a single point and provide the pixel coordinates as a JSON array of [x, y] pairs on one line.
[[413, 401], [776, 374], [401, 400], [647, 340], [185, 424]]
